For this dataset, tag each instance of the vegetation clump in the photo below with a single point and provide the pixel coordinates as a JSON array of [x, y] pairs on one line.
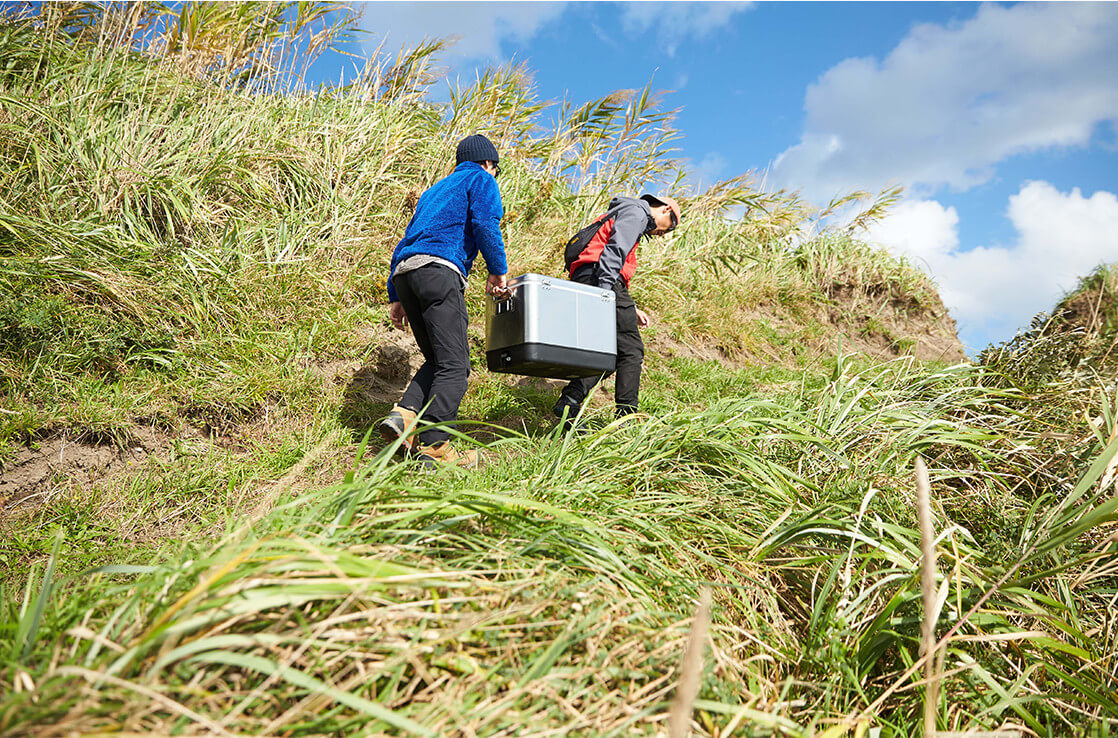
[[1081, 332]]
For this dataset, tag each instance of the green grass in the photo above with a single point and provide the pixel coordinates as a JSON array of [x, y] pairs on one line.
[[545, 570], [199, 267]]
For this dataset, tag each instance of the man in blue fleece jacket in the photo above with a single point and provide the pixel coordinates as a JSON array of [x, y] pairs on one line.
[[454, 220]]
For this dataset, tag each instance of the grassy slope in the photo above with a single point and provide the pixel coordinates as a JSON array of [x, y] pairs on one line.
[[177, 273], [200, 272]]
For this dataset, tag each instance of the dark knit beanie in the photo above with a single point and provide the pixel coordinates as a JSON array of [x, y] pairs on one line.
[[476, 148]]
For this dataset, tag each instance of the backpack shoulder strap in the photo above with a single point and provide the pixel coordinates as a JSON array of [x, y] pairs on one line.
[[580, 240]]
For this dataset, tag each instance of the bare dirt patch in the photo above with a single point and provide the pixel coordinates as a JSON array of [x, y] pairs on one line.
[[72, 457], [661, 343], [885, 326], [540, 384], [81, 457]]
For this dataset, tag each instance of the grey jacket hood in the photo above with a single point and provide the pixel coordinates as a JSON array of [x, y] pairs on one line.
[[620, 200]]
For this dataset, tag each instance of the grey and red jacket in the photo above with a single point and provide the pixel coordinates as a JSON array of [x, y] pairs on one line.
[[614, 247]]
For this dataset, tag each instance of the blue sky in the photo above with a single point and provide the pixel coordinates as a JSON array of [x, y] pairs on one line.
[[1000, 120]]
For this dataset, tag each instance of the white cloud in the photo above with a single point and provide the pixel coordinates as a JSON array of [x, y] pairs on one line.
[[949, 103], [481, 27], [675, 21], [994, 290], [709, 170], [921, 229]]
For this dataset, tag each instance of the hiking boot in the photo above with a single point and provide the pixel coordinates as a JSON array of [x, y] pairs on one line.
[[444, 453], [566, 411], [564, 405], [396, 425]]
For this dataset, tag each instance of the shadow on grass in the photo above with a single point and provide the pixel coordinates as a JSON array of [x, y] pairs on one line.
[[374, 389], [522, 405]]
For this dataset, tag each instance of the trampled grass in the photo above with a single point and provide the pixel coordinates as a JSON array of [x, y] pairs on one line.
[[192, 262]]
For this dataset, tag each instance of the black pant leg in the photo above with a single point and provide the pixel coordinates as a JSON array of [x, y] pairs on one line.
[[630, 353], [419, 389], [438, 319]]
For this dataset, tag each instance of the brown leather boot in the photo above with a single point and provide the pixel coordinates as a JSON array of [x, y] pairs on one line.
[[396, 425], [446, 454]]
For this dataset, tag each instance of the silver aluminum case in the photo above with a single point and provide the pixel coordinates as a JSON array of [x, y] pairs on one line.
[[551, 327]]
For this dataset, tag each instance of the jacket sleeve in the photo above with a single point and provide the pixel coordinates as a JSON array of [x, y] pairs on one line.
[[484, 219], [392, 296], [628, 226]]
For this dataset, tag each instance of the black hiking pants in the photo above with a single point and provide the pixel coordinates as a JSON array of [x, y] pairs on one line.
[[434, 301], [630, 355]]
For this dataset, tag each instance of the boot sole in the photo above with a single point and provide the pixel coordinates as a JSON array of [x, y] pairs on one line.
[[391, 433]]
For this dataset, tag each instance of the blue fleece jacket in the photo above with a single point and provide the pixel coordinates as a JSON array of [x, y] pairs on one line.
[[454, 219]]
